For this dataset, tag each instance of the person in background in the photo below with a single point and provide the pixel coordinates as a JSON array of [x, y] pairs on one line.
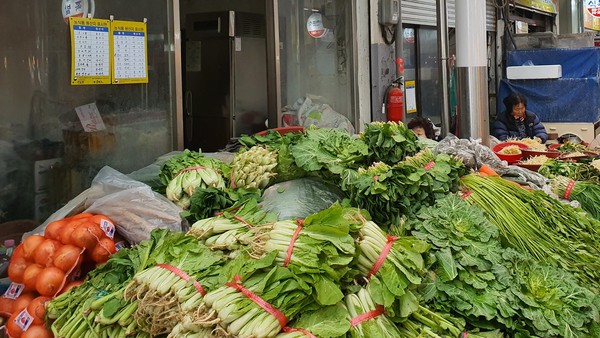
[[422, 127], [517, 122]]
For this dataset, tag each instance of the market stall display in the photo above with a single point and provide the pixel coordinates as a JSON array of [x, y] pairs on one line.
[[406, 242]]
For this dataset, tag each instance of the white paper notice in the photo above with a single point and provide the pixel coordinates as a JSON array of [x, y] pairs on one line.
[[90, 117]]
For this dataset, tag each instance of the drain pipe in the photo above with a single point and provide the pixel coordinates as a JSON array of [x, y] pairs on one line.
[[471, 66], [442, 38]]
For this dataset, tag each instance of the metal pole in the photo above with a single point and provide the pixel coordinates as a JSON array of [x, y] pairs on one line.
[[442, 37], [471, 64], [399, 52]]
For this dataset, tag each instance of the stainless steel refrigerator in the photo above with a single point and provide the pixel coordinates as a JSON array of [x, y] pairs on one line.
[[226, 78]]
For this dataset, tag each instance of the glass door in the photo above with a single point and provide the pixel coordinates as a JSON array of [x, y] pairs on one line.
[[317, 79]]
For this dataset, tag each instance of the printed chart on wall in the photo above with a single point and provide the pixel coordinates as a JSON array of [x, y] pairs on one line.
[[90, 51], [130, 52]]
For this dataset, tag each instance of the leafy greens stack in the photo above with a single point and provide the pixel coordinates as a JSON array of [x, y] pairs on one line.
[[494, 287]]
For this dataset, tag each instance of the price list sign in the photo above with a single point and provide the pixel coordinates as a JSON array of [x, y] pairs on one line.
[[90, 51], [130, 52]]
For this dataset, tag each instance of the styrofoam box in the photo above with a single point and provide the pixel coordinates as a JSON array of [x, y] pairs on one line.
[[534, 72]]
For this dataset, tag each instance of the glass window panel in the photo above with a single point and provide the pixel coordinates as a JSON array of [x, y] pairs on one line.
[[316, 58], [46, 158], [430, 96]]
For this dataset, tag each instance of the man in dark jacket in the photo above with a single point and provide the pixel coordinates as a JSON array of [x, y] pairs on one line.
[[517, 122]]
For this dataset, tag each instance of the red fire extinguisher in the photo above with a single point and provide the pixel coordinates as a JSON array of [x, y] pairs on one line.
[[394, 103]]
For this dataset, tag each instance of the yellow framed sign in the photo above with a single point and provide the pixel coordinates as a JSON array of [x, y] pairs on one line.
[[130, 52], [90, 51]]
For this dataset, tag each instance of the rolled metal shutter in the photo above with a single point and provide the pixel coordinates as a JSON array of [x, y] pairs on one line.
[[423, 12]]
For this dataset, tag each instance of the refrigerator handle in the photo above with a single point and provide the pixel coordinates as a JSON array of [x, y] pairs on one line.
[[189, 113]]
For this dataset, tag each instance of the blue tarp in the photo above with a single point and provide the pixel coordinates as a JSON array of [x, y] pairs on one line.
[[573, 98], [561, 100], [576, 63]]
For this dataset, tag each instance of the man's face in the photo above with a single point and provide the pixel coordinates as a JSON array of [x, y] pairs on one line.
[[518, 111]]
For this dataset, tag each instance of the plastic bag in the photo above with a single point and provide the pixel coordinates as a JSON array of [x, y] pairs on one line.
[[297, 199], [474, 155], [321, 115], [134, 208]]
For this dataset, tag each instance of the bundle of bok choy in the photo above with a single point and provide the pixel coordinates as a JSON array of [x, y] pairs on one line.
[[318, 249]]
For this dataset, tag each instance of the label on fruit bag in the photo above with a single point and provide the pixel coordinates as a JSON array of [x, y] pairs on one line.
[[108, 228], [24, 320], [14, 291]]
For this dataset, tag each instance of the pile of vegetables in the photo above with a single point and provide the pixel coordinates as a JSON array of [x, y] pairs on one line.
[[390, 192], [402, 256], [43, 266], [538, 225], [474, 276], [100, 304]]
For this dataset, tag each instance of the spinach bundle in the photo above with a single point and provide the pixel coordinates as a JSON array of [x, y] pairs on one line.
[[490, 286], [534, 223], [586, 193], [389, 142]]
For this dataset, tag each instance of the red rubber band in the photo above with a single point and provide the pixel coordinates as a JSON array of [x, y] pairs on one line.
[[233, 186], [292, 242], [237, 284], [221, 213], [569, 189], [379, 310], [196, 168], [382, 256], [183, 276], [238, 218], [466, 194], [288, 329], [429, 165]]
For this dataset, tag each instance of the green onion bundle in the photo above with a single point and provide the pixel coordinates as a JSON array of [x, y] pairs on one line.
[[586, 193], [377, 324], [391, 276], [534, 223]]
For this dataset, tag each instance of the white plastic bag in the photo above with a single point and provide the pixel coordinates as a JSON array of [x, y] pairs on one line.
[[134, 208]]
